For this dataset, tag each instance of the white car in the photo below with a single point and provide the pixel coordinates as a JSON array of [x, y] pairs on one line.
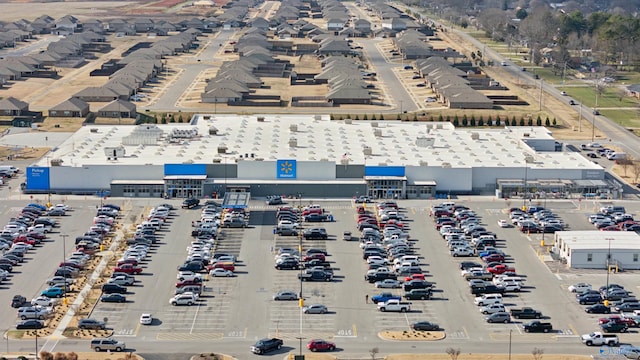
[[579, 287], [511, 286], [491, 309], [188, 275], [220, 272], [388, 284], [183, 299], [61, 207], [377, 260], [461, 251], [503, 223], [595, 145], [146, 319], [45, 301], [563, 93]]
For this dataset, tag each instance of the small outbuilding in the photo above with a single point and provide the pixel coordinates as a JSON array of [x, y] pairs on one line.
[[592, 249]]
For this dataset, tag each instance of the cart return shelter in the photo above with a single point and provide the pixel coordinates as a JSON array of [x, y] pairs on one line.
[[307, 156], [592, 249]]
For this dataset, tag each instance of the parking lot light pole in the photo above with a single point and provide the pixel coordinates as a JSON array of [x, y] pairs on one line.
[[64, 274], [608, 262]]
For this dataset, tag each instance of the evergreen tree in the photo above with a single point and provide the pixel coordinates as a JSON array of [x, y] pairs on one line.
[[522, 121], [554, 122], [373, 117], [332, 117], [441, 119], [530, 122], [365, 117], [547, 122], [357, 118], [398, 117], [473, 120], [381, 117], [480, 121], [455, 122], [415, 117], [513, 122], [180, 120], [539, 120]]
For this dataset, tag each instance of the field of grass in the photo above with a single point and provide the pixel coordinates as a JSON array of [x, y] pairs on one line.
[[627, 118], [610, 97]]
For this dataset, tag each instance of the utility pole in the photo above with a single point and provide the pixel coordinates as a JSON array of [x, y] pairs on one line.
[[540, 103]]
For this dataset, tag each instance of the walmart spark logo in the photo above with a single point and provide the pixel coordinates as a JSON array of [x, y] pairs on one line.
[[286, 169]]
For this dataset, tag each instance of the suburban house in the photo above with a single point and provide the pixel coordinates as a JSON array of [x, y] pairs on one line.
[[118, 109], [13, 107], [73, 107]]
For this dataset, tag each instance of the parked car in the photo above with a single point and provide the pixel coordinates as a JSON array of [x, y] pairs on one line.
[[320, 345], [91, 324], [425, 326]]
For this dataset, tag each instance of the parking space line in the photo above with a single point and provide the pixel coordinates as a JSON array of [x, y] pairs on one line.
[[195, 317]]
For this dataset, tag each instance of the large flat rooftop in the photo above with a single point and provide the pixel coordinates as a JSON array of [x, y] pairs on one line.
[[313, 138]]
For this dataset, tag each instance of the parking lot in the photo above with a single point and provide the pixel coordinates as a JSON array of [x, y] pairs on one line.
[[241, 307]]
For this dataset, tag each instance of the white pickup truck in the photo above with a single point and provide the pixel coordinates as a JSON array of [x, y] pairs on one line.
[[598, 339], [394, 305]]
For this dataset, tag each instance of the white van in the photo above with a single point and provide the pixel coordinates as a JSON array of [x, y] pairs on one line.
[[488, 299], [516, 279], [612, 156], [10, 168]]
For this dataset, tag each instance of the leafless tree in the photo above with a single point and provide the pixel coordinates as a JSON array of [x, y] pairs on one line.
[[45, 355], [537, 353], [539, 29], [373, 352], [635, 167], [72, 356], [453, 353]]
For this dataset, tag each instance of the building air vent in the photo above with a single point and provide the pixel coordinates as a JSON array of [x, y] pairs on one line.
[[348, 121], [293, 142], [423, 163], [260, 119], [446, 165], [222, 149], [367, 151], [293, 127], [213, 130], [475, 136], [424, 142], [377, 132], [374, 124]]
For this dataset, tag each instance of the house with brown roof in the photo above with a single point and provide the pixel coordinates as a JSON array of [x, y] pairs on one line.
[[13, 107], [72, 107], [118, 109]]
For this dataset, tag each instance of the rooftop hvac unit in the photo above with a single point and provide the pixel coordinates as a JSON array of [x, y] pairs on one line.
[[344, 161], [324, 159], [424, 142], [423, 163], [293, 127], [526, 135], [114, 152], [217, 160], [222, 149], [258, 159], [439, 126], [374, 124], [56, 162], [317, 117], [377, 132], [348, 121], [446, 165], [293, 143], [475, 136], [367, 151], [260, 119], [188, 161]]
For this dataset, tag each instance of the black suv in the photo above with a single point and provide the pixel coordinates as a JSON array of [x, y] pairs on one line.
[[317, 233], [190, 203], [113, 289]]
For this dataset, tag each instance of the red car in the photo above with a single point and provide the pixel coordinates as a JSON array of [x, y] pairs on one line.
[[321, 345], [133, 262], [36, 235], [26, 240], [493, 257], [500, 269], [414, 277], [227, 265], [618, 320], [311, 211], [128, 269], [314, 256], [196, 281]]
